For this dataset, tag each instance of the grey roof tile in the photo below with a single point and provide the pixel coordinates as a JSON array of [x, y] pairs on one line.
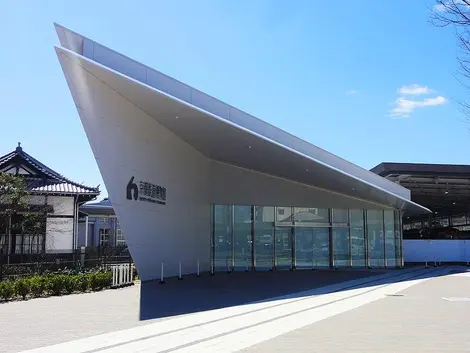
[[52, 182]]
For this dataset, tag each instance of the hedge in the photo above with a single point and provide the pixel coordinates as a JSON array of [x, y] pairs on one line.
[[54, 284]]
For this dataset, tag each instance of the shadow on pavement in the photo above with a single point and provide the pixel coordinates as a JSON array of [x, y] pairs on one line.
[[194, 294]]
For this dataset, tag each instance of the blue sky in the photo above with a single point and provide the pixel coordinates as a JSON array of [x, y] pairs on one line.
[[370, 81]]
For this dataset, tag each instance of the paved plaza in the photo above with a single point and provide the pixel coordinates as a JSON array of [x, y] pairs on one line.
[[411, 310]]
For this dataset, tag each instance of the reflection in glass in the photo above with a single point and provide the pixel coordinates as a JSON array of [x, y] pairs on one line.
[[321, 247], [358, 258], [284, 215], [268, 238], [444, 221], [311, 215], [264, 237], [398, 238], [459, 220], [284, 248], [389, 238], [303, 247], [243, 242], [341, 247], [340, 216], [375, 238], [222, 237]]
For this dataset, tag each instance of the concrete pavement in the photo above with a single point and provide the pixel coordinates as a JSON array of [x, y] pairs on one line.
[[360, 314]]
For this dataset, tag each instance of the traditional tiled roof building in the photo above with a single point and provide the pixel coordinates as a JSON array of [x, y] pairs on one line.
[[59, 198]]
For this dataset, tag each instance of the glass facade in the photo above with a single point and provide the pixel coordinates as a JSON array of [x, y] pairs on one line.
[[267, 238], [264, 237]]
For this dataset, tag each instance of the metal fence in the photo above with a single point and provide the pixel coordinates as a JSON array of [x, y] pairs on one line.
[[26, 266]]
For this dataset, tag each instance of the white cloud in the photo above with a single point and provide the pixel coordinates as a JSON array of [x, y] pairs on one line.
[[414, 89], [351, 92], [404, 107]]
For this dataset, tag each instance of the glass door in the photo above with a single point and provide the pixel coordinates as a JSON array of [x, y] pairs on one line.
[[243, 242], [303, 248], [284, 249], [222, 237], [321, 247], [264, 238]]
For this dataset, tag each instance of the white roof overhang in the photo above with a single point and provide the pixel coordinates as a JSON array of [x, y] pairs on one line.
[[224, 140]]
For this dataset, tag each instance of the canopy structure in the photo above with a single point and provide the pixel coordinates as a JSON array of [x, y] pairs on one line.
[[170, 155], [226, 134], [443, 188]]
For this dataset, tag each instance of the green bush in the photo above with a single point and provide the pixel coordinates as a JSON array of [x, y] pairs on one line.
[[95, 282], [56, 284], [7, 290], [100, 280], [38, 286], [83, 282], [107, 279], [71, 283], [22, 287]]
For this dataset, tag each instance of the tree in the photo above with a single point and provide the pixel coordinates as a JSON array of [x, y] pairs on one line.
[[14, 198], [17, 216], [456, 13]]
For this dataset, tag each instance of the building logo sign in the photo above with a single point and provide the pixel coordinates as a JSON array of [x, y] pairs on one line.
[[145, 191]]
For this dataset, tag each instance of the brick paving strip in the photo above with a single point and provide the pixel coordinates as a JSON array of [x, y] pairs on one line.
[[234, 328]]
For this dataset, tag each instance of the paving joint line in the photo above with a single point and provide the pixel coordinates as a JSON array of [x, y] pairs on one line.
[[290, 314], [258, 310]]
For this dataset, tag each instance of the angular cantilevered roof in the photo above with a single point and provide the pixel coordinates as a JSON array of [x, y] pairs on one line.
[[224, 133]]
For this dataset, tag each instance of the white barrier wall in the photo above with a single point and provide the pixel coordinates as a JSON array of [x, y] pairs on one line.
[[417, 250]]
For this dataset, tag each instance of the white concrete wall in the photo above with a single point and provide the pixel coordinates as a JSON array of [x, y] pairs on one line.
[[59, 231], [417, 250], [59, 235], [37, 200], [129, 143], [63, 205]]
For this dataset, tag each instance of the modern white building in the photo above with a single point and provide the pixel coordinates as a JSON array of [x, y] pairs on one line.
[[196, 181]]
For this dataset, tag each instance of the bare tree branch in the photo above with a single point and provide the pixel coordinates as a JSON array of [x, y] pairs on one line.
[[456, 13]]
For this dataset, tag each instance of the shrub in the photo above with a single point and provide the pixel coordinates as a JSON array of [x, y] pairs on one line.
[[38, 286], [107, 279], [95, 281], [7, 290], [100, 280], [73, 283], [22, 287], [56, 284], [83, 282]]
